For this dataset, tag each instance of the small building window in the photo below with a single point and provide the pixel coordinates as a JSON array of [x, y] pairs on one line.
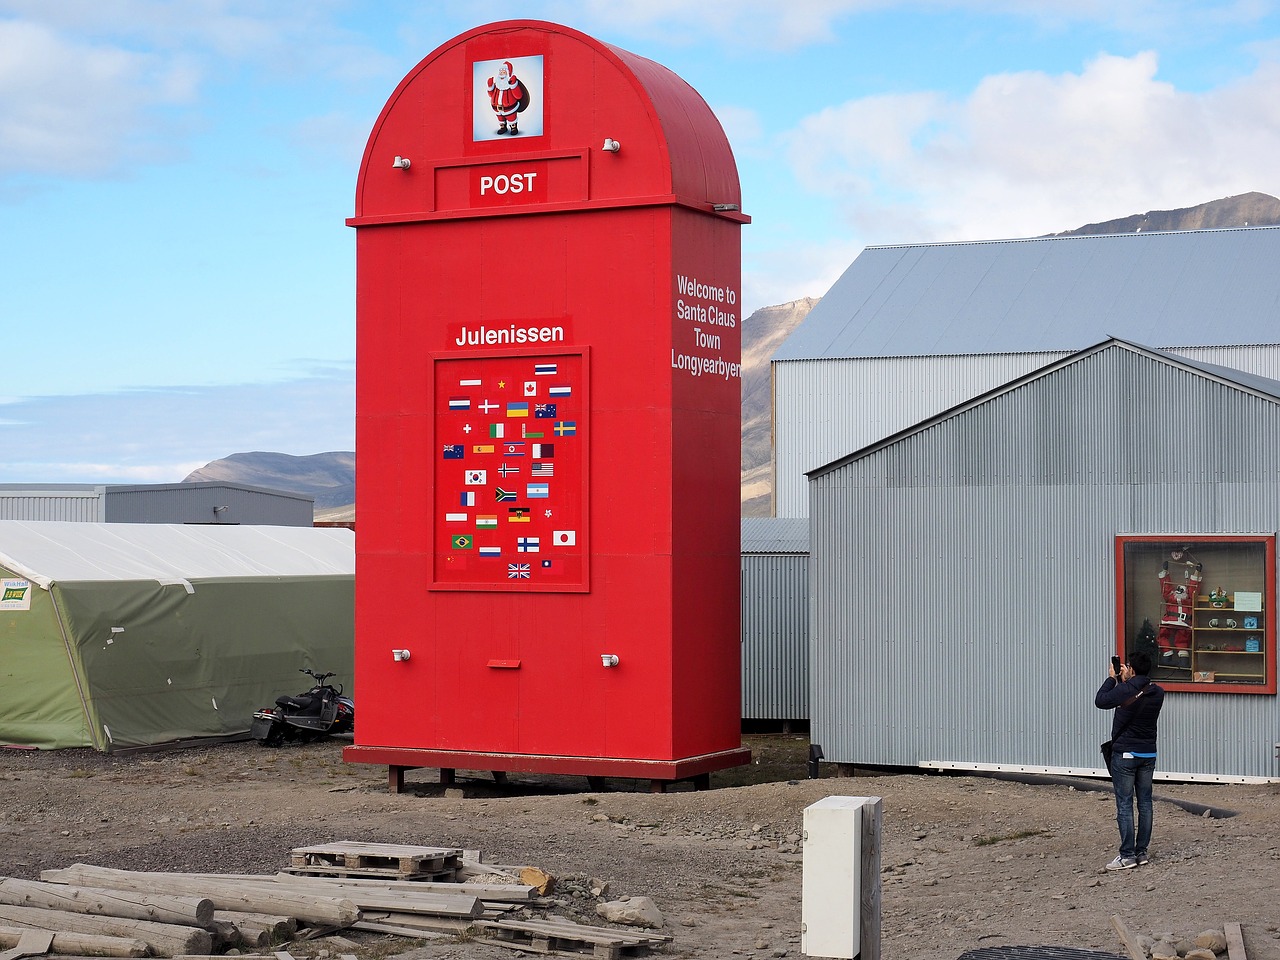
[[1201, 607]]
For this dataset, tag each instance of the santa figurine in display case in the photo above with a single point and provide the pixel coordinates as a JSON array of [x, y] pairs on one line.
[[1178, 599]]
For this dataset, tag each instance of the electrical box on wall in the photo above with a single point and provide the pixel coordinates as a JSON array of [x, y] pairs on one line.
[[548, 415]]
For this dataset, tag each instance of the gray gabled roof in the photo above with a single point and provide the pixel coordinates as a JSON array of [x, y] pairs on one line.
[[1184, 289], [1251, 383]]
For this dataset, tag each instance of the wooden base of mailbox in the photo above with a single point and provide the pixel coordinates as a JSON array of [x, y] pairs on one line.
[[659, 773]]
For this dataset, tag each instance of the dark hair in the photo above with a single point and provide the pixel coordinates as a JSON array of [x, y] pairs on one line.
[[1140, 661]]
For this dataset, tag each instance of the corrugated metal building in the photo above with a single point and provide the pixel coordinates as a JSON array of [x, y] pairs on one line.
[[775, 619], [909, 331], [983, 542], [212, 501]]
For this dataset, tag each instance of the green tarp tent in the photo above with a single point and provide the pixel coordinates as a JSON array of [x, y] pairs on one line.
[[130, 634]]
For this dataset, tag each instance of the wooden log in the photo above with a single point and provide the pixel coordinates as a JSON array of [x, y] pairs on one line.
[[225, 894], [351, 886], [165, 939], [162, 908], [450, 899], [275, 928], [81, 944], [1130, 942]]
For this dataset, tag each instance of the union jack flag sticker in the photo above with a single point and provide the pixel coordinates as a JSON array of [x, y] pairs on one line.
[[518, 571]]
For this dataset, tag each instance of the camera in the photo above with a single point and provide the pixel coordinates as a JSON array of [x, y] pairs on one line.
[[1115, 665]]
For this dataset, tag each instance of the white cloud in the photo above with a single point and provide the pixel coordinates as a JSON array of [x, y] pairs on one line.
[[1030, 153], [72, 107]]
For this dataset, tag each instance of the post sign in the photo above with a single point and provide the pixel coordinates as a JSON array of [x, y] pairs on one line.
[[548, 415]]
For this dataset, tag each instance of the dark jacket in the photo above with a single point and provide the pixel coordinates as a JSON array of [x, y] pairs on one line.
[[1140, 714]]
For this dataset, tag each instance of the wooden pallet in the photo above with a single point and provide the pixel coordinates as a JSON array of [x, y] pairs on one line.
[[566, 937], [347, 858]]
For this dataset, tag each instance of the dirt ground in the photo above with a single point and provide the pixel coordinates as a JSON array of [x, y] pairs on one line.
[[967, 861]]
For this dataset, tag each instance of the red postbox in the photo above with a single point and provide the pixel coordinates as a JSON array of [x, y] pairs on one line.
[[547, 416]]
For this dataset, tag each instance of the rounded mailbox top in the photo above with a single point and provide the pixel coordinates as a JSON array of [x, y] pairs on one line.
[[525, 117]]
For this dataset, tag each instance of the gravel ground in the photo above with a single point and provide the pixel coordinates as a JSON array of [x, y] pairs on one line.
[[967, 861]]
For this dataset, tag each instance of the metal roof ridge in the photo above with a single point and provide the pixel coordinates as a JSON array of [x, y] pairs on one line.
[[1078, 236]]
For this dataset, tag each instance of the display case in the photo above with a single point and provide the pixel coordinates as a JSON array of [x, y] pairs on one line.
[[1199, 605]]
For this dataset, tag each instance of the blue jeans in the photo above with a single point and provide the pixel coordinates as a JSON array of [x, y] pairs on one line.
[[1132, 779]]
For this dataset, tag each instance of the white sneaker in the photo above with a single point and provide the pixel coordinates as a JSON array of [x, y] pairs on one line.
[[1122, 863]]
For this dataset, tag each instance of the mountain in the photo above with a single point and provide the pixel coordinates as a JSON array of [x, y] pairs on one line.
[[762, 332], [1244, 210], [328, 477]]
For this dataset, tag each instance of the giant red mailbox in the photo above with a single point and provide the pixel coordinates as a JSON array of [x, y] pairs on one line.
[[547, 416]]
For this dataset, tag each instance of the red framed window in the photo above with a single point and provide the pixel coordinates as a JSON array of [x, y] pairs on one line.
[[1200, 605]]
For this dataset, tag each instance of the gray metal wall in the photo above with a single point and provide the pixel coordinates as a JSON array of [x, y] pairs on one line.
[[83, 504], [982, 549], [208, 502], [825, 409], [775, 636]]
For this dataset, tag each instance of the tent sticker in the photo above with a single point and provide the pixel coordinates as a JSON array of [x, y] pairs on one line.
[[15, 595]]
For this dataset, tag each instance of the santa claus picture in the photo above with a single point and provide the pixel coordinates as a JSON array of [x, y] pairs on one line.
[[507, 98]]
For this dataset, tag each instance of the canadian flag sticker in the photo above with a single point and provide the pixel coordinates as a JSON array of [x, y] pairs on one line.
[[564, 538]]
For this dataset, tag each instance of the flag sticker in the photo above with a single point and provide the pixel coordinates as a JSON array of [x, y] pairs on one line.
[[544, 451], [486, 406], [518, 571], [560, 391], [468, 383], [531, 388], [477, 478], [544, 369], [501, 495], [460, 541], [497, 431], [490, 551], [527, 545], [454, 451], [566, 428], [482, 448], [515, 448], [530, 434], [487, 522], [506, 470], [467, 498], [455, 517], [538, 491], [544, 411], [517, 514], [564, 538], [459, 403], [543, 468], [519, 408]]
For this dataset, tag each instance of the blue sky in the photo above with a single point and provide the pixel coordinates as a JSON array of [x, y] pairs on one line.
[[176, 279]]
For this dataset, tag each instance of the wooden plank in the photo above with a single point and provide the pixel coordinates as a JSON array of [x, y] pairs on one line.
[[1130, 942], [31, 943], [869, 884], [1235, 942], [417, 933]]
